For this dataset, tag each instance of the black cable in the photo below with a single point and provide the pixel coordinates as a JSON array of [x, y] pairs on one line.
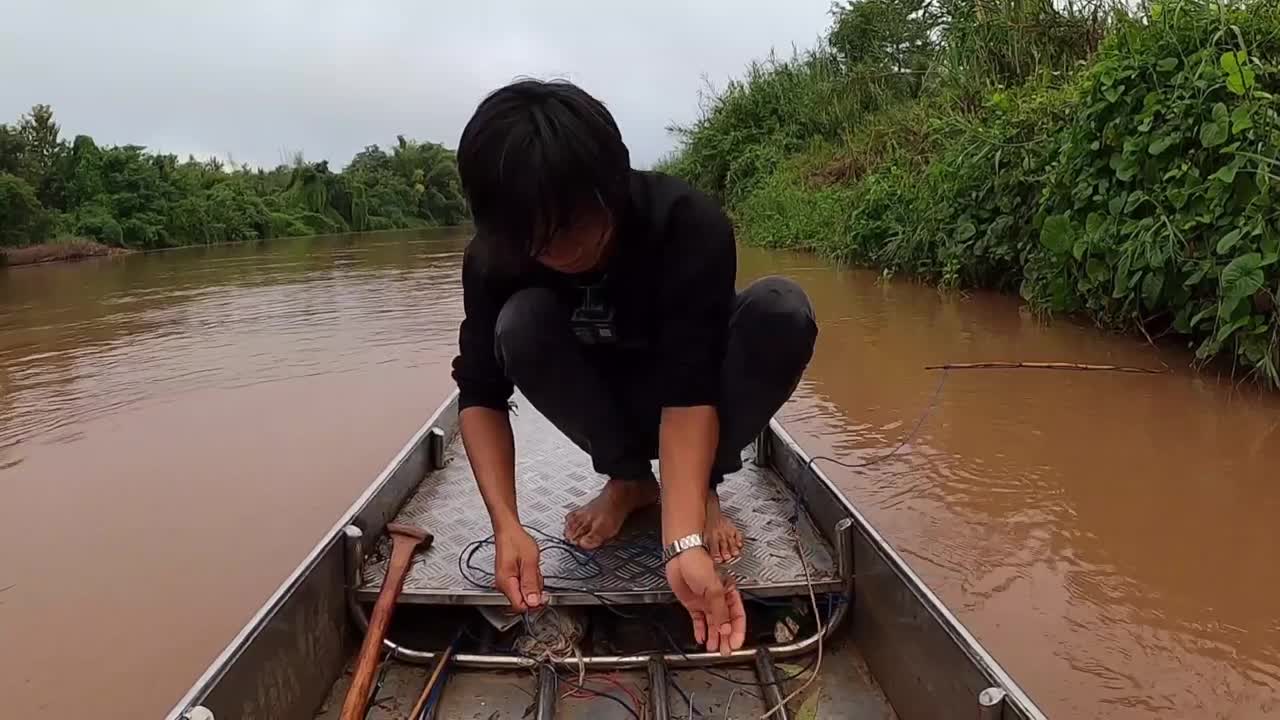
[[583, 559], [933, 404], [465, 564], [756, 683], [588, 560], [377, 686], [688, 701], [676, 649]]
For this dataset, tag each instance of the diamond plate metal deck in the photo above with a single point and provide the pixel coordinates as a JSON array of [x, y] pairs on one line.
[[553, 478]]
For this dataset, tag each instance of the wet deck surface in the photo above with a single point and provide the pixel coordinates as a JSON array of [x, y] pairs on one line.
[[555, 477]]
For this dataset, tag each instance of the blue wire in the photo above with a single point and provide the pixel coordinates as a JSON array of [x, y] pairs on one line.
[[438, 690], [432, 699]]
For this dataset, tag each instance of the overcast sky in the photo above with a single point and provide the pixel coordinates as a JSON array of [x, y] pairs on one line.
[[259, 79]]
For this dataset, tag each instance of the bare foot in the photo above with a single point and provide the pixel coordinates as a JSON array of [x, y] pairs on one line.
[[600, 520], [723, 538]]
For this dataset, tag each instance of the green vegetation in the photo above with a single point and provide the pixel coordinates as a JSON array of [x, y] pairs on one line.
[[1121, 165], [126, 197]]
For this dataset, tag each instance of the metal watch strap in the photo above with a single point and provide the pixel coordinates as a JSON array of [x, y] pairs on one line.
[[688, 542]]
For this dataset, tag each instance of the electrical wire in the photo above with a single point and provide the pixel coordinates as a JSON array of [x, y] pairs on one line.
[[634, 711], [688, 700], [817, 667], [584, 558], [435, 683], [729, 703], [928, 411], [377, 685], [596, 570], [612, 679], [675, 647]]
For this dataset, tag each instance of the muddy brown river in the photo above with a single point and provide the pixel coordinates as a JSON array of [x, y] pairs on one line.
[[178, 429]]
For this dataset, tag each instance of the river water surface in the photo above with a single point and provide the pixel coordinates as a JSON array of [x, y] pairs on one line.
[[178, 429]]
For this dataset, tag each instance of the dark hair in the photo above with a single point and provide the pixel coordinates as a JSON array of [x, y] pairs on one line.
[[534, 154]]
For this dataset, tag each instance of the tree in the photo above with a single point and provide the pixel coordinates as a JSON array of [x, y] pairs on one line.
[[43, 150], [22, 219], [432, 172], [892, 34], [125, 195], [82, 170], [371, 159], [13, 152]]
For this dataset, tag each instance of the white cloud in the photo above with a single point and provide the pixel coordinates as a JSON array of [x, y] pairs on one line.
[[250, 78]]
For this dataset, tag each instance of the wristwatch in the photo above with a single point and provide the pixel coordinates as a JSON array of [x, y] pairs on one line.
[[688, 542]]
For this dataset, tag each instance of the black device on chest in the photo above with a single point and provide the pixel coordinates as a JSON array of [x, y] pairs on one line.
[[593, 320]]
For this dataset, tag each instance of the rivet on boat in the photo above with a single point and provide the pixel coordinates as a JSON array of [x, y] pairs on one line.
[[991, 703]]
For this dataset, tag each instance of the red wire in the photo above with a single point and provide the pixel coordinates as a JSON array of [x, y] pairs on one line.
[[633, 694], [611, 679]]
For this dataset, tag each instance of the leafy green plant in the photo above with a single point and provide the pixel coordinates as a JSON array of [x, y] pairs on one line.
[[1159, 210], [1115, 165]]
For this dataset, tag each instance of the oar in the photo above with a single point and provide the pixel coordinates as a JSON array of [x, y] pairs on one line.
[[404, 540]]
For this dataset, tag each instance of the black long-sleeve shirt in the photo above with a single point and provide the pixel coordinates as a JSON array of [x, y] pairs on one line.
[[670, 279]]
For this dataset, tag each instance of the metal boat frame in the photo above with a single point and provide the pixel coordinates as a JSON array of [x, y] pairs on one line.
[[284, 662]]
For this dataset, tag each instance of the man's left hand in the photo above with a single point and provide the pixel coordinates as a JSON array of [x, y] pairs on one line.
[[719, 620]]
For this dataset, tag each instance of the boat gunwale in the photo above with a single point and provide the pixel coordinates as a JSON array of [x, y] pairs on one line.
[[960, 635], [260, 619], [810, 478]]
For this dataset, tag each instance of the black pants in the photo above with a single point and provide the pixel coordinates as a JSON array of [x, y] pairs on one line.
[[602, 400]]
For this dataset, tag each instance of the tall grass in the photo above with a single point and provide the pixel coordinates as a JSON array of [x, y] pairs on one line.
[[1099, 161], [62, 248]]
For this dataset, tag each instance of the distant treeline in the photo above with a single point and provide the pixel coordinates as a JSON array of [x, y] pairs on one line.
[[127, 197]]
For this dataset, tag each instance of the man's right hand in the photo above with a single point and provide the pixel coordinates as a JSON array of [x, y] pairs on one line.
[[719, 619], [516, 571]]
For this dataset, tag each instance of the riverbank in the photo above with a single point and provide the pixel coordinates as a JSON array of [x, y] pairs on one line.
[[1098, 163], [57, 250]]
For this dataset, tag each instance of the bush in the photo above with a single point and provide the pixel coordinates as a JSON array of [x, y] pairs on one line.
[[1135, 188], [316, 223], [778, 110], [22, 219], [1160, 208], [969, 215], [283, 225], [144, 232], [377, 222], [95, 221]]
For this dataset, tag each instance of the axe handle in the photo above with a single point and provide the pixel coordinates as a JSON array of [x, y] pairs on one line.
[[357, 700]]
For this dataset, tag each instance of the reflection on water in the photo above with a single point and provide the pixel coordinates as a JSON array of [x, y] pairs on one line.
[[176, 430], [86, 340]]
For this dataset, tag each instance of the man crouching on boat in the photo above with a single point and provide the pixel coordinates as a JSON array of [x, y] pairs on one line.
[[606, 295]]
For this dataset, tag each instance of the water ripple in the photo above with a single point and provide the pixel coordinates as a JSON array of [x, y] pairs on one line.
[[158, 326]]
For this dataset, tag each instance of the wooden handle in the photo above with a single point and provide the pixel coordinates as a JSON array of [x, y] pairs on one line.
[[404, 540], [431, 684], [1001, 365]]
